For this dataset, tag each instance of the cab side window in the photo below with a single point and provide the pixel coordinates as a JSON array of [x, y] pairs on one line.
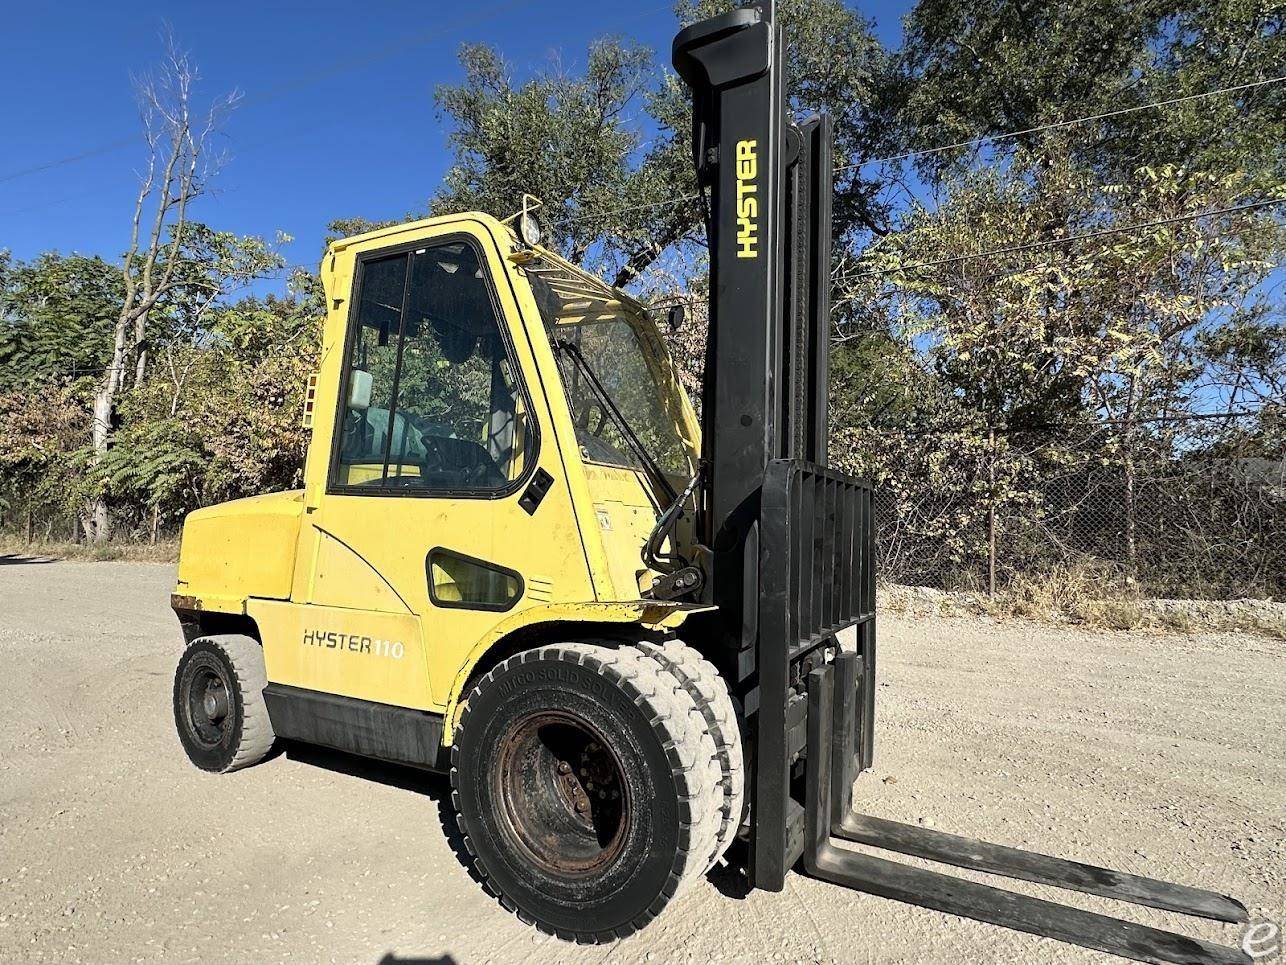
[[432, 400]]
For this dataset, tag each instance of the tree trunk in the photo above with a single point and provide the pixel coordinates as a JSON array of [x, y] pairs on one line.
[[97, 517], [156, 521], [140, 367], [991, 514], [140, 349]]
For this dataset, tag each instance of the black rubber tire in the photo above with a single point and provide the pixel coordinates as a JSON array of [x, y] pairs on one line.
[[243, 736], [709, 692], [666, 766]]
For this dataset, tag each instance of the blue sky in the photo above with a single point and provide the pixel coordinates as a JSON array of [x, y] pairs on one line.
[[337, 120]]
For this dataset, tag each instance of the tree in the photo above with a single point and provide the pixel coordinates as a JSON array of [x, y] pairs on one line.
[[57, 314], [608, 151], [970, 69], [570, 141], [177, 168], [220, 417], [41, 428], [170, 261]]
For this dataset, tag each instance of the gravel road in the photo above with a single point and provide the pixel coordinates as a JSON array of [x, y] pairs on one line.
[[1153, 754]]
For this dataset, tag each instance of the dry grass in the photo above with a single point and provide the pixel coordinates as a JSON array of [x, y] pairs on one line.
[[166, 551], [1093, 598]]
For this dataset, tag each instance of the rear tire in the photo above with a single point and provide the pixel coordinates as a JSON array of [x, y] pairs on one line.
[[708, 691], [586, 788], [219, 709]]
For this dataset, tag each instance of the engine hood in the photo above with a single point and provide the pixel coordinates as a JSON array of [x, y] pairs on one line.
[[239, 549]]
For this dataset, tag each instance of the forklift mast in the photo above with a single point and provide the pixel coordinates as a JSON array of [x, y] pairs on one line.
[[767, 187], [791, 542]]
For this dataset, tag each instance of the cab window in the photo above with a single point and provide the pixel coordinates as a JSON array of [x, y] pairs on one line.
[[431, 394]]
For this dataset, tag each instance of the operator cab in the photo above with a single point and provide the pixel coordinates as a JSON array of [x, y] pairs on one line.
[[432, 401]]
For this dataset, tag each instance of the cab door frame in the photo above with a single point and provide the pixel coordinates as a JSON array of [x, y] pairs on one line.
[[323, 498]]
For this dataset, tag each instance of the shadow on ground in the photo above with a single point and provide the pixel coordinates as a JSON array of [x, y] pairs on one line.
[[14, 559], [727, 877], [436, 787]]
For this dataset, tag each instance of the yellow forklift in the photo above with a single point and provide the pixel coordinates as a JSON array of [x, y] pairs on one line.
[[520, 559]]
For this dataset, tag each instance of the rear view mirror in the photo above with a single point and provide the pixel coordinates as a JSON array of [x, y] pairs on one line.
[[359, 390], [676, 317]]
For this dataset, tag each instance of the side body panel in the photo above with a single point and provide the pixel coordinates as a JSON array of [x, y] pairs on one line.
[[238, 549], [362, 568], [353, 653]]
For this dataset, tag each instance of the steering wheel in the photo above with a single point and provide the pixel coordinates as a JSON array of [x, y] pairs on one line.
[[434, 461], [460, 463]]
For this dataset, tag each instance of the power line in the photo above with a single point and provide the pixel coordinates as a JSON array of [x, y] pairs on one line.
[[1057, 124], [595, 215], [960, 144], [1095, 425], [299, 81], [1031, 246]]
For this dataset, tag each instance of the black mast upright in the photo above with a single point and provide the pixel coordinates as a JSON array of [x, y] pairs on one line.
[[768, 186], [784, 577], [733, 65]]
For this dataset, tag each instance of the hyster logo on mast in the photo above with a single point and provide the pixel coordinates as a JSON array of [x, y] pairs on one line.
[[747, 200]]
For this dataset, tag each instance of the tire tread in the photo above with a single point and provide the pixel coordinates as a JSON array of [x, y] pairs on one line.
[[679, 727], [245, 654], [706, 687]]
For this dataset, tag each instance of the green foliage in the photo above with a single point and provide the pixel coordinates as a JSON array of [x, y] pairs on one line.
[[944, 332], [41, 429], [977, 68], [571, 141], [57, 314], [221, 419]]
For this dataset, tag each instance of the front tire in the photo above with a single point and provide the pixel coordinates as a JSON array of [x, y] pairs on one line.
[[709, 692], [219, 709], [586, 787]]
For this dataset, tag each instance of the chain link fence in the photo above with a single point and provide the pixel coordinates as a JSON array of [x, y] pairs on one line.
[[1180, 508], [1162, 514]]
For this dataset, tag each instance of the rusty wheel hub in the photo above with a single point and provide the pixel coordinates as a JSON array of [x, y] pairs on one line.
[[562, 794]]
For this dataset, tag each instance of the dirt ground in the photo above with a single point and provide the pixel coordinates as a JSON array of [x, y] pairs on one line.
[[1153, 754]]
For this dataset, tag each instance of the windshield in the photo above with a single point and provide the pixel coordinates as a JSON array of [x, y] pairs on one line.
[[621, 349]]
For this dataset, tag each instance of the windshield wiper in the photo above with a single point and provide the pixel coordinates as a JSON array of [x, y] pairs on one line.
[[654, 473]]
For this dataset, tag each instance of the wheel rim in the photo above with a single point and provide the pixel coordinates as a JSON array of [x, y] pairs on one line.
[[562, 794], [209, 706]]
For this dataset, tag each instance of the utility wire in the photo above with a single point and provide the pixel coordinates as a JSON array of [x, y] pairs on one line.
[[1031, 246], [1093, 425], [1057, 124], [956, 146], [295, 83]]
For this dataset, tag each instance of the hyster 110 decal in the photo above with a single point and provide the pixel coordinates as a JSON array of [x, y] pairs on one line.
[[354, 643], [747, 199]]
